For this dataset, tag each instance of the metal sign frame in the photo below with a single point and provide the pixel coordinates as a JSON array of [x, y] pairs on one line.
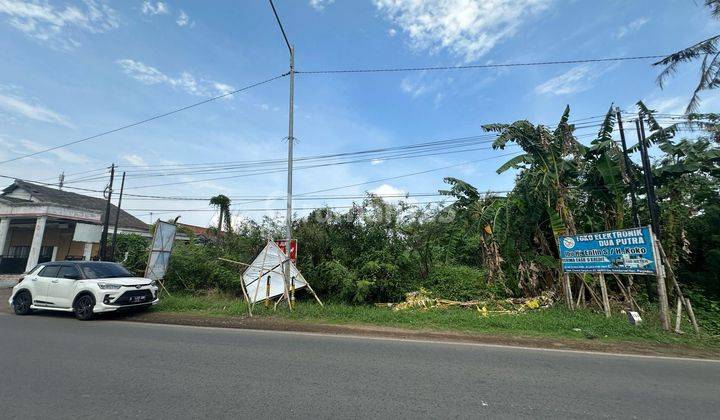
[[160, 250]]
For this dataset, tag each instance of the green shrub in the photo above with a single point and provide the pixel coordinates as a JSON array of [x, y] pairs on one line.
[[458, 283], [131, 250], [329, 278], [195, 267]]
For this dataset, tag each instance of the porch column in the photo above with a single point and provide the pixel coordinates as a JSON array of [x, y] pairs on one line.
[[87, 251], [34, 254], [4, 230]]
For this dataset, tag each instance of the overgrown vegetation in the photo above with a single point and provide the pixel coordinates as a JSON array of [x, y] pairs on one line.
[[482, 245]]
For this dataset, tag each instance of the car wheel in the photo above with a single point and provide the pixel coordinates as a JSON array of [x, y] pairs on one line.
[[84, 307], [22, 302]]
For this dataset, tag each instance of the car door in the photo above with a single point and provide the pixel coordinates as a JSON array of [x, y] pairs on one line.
[[62, 288], [40, 283]]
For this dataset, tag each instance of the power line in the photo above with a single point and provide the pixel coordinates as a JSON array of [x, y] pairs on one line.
[[482, 66], [272, 171], [153, 118]]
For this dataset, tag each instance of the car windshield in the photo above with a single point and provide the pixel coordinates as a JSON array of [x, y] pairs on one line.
[[104, 271]]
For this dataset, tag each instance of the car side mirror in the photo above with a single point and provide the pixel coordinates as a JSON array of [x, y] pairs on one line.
[[72, 276]]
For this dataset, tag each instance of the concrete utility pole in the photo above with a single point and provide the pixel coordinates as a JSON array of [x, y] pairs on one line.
[[291, 140]]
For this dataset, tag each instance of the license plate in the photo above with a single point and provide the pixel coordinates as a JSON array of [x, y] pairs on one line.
[[136, 299]]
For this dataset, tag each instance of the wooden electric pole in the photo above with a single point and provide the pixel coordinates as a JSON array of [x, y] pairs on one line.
[[117, 219], [106, 222]]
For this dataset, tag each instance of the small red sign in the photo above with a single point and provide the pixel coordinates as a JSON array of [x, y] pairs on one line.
[[293, 248]]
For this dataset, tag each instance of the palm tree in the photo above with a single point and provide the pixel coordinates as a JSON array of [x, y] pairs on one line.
[[709, 50], [223, 204]]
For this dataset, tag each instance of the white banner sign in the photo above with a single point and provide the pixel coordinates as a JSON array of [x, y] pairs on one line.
[[87, 233]]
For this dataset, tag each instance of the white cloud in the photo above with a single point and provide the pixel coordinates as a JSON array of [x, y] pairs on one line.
[[631, 27], [577, 79], [392, 194], [412, 87], [57, 26], [392, 32], [156, 8], [466, 28], [320, 4], [135, 160], [19, 106], [62, 154], [376, 161], [187, 82], [183, 19]]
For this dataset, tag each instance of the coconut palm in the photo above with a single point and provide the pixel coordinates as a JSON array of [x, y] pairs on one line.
[[222, 202], [708, 50]]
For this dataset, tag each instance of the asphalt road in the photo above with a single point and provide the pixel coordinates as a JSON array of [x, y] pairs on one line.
[[53, 366]]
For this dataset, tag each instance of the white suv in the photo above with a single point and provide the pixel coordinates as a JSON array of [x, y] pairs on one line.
[[82, 287]]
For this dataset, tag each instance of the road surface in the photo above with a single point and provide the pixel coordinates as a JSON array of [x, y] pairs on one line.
[[53, 366]]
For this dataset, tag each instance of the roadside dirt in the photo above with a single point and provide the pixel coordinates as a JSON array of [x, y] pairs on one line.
[[281, 324]]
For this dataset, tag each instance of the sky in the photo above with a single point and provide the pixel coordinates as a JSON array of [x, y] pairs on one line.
[[74, 68]]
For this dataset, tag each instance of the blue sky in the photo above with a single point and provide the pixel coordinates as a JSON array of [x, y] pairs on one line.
[[77, 67]]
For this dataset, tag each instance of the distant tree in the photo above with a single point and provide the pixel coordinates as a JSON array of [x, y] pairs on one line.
[[223, 204], [709, 50]]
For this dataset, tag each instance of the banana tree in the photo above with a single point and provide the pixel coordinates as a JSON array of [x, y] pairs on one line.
[[550, 157], [604, 181]]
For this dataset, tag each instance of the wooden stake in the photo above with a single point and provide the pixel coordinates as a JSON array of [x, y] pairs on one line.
[[605, 299]]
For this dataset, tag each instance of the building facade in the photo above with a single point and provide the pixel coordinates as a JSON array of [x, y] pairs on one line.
[[41, 224]]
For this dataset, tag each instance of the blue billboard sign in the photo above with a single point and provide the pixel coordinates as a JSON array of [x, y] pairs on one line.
[[627, 251]]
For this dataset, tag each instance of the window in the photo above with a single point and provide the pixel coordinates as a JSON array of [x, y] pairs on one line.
[[104, 270], [49, 271], [68, 271], [18, 252]]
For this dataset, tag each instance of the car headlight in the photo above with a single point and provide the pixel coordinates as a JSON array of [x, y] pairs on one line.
[[153, 283], [109, 286]]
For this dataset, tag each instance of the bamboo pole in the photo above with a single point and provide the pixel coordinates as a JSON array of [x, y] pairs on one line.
[[676, 286], [592, 293], [692, 315], [678, 315], [605, 299], [262, 267], [267, 291], [567, 289], [661, 287], [581, 294], [242, 283]]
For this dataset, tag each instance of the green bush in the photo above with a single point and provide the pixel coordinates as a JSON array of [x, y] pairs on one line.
[[195, 267], [131, 250], [330, 278], [383, 282], [458, 283]]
